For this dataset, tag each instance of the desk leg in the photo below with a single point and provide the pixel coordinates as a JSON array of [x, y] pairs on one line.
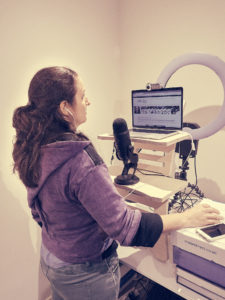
[[160, 250]]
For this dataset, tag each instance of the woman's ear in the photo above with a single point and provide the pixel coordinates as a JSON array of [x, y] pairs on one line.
[[63, 108]]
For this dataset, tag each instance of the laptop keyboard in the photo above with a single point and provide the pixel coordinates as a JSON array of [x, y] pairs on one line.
[[163, 131]]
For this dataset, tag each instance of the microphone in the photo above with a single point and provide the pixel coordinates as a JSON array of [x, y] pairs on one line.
[[124, 152], [122, 139]]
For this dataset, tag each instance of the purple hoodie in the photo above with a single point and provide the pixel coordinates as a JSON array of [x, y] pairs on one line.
[[78, 205]]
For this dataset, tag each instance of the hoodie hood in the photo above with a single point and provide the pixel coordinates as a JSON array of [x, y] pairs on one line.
[[53, 156]]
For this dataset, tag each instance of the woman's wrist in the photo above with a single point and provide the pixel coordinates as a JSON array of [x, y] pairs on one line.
[[174, 221]]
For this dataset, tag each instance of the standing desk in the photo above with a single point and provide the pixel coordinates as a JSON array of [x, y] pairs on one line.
[[154, 191]]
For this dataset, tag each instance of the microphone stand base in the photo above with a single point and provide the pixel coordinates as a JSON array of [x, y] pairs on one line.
[[126, 179]]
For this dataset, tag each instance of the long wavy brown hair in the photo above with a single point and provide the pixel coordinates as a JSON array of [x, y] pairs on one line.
[[40, 121]]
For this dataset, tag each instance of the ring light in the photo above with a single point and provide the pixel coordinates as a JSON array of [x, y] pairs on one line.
[[214, 63]]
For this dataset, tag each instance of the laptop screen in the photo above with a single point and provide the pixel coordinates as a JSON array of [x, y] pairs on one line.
[[158, 108]]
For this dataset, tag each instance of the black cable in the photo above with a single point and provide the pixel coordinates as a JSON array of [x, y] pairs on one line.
[[184, 200], [113, 151], [151, 173], [187, 199], [196, 177], [192, 188]]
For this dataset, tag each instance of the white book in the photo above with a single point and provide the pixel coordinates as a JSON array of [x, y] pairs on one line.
[[188, 240], [200, 285]]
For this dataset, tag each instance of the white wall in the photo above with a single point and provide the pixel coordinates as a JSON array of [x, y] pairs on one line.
[[82, 35], [116, 46], [152, 34]]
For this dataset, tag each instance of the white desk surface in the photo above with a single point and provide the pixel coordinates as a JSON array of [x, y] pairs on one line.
[[158, 188], [163, 273]]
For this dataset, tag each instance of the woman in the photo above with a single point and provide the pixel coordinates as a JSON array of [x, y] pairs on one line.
[[71, 194]]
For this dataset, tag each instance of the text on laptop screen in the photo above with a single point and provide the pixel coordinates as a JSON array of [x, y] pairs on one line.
[[158, 108]]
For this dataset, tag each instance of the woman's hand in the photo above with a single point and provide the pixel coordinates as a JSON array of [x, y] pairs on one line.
[[197, 216], [201, 215]]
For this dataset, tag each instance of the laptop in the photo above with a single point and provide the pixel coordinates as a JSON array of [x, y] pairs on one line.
[[157, 114]]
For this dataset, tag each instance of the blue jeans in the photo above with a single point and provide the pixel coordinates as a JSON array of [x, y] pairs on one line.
[[87, 281]]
